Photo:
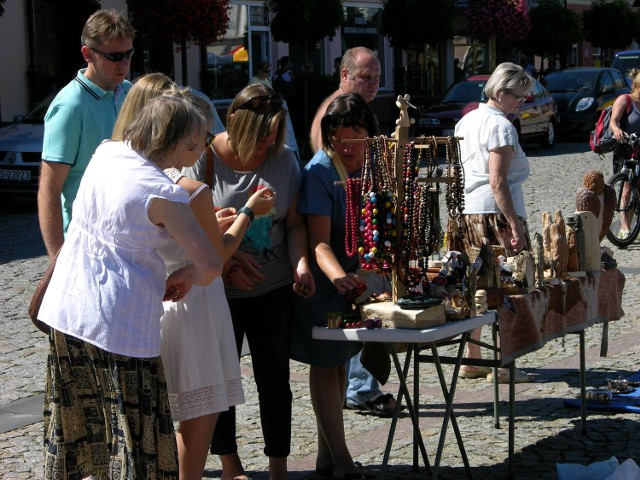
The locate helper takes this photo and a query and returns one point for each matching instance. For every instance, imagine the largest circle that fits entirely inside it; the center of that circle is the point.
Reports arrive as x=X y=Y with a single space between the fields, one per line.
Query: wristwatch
x=248 y=212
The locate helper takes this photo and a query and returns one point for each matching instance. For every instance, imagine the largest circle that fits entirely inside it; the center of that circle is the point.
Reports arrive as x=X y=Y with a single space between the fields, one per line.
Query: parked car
x=625 y=61
x=21 y=149
x=581 y=93
x=21 y=152
x=535 y=121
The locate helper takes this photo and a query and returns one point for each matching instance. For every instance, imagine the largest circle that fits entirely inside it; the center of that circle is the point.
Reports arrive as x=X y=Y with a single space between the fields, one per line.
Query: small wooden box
x=395 y=317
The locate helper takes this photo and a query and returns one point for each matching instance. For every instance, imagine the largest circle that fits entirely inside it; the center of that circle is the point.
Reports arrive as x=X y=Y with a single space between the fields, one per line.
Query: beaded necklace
x=377 y=225
x=455 y=190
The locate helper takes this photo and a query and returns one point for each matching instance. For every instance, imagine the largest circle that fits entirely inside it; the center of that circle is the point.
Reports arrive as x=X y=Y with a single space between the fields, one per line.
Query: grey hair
x=508 y=77
x=161 y=124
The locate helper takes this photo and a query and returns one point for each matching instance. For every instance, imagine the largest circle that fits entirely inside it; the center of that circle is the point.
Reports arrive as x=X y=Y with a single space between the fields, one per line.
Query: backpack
x=601 y=139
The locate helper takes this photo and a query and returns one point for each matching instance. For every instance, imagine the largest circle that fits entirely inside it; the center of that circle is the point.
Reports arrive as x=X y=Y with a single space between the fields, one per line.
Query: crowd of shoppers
x=172 y=241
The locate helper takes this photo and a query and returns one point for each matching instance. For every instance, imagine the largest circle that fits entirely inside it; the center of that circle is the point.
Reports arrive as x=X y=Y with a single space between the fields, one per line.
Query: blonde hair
x=105 y=26
x=245 y=127
x=508 y=77
x=635 y=78
x=161 y=124
x=145 y=88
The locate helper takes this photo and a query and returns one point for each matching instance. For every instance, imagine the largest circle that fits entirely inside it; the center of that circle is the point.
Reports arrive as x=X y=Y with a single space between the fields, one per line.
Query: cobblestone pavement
x=546 y=432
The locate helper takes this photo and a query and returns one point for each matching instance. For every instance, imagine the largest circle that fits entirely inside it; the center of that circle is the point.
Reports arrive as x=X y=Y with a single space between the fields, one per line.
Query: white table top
x=408 y=335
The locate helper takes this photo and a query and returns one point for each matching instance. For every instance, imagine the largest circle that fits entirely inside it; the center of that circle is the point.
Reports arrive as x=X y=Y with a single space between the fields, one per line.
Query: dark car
x=626 y=60
x=581 y=93
x=535 y=121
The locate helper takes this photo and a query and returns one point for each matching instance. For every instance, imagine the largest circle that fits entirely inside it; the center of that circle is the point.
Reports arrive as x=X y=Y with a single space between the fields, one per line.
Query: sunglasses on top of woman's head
x=261 y=102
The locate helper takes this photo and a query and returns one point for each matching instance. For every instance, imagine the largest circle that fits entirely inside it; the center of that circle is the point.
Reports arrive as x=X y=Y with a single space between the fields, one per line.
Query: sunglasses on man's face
x=114 y=56
x=261 y=102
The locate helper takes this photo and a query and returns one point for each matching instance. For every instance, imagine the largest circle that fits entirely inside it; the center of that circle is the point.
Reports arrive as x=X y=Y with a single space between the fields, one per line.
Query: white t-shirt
x=109 y=279
x=483 y=130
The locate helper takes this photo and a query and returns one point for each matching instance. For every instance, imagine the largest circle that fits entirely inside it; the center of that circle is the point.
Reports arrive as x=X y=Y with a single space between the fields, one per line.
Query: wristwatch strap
x=248 y=212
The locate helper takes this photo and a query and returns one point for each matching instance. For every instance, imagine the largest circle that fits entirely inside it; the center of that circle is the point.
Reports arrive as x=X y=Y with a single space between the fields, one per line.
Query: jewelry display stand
x=389 y=312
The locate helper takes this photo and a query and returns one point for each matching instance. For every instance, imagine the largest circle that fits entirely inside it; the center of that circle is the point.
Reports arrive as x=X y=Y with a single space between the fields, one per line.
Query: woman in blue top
x=324 y=203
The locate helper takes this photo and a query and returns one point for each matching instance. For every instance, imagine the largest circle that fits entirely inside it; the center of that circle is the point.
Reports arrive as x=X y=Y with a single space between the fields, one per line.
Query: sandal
x=503 y=376
x=474 y=372
x=380 y=406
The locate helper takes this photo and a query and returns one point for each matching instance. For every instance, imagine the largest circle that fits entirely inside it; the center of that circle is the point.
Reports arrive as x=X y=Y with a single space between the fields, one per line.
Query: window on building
x=362 y=29
x=228 y=59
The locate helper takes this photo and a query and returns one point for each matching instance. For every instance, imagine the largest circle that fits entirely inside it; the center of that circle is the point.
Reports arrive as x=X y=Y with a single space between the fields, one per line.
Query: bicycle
x=626 y=222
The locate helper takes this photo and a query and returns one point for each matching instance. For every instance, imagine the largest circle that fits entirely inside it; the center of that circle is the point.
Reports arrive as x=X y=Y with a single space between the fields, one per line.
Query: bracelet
x=248 y=212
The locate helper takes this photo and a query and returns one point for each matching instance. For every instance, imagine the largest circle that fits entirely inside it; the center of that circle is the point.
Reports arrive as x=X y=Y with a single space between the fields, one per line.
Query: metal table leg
x=449 y=395
x=403 y=391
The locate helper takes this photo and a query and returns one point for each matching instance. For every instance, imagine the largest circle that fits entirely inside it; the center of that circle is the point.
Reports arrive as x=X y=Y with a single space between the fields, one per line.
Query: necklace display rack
x=390 y=178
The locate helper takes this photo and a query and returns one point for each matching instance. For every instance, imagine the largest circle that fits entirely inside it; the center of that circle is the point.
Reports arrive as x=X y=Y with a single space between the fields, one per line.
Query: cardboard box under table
x=430 y=336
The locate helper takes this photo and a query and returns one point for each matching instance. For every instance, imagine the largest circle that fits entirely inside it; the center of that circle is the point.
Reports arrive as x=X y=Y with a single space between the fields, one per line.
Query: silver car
x=21 y=152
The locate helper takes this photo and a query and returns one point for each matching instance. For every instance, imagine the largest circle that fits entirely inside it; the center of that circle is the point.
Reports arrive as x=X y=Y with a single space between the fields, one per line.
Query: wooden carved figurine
x=538 y=254
x=546 y=242
x=573 y=264
x=598 y=198
x=559 y=249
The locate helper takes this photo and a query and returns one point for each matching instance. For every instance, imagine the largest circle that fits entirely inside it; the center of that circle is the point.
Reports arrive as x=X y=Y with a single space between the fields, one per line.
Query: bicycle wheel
x=626 y=224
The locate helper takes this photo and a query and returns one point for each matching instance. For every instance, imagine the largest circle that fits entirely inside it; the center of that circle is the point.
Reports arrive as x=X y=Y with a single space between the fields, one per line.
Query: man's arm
x=52 y=178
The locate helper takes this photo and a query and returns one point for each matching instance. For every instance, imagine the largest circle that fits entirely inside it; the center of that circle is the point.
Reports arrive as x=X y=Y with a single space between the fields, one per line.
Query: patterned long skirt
x=105 y=415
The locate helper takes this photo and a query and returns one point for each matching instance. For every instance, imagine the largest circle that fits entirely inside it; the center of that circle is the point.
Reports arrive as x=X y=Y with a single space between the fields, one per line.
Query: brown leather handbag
x=38 y=295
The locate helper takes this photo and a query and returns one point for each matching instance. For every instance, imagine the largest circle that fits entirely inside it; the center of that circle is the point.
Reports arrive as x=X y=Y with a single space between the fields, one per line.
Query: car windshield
x=624 y=63
x=465 y=92
x=570 y=82
x=37 y=114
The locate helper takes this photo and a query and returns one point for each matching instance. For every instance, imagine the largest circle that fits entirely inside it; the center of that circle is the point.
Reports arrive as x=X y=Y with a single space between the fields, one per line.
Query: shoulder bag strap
x=208 y=171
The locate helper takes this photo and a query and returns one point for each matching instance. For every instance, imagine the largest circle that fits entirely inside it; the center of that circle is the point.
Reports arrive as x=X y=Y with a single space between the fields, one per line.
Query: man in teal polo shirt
x=80 y=117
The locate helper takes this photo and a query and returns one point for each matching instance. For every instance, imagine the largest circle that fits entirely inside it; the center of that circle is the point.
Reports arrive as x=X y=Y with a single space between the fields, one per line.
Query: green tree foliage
x=182 y=21
x=305 y=21
x=418 y=23
x=553 y=30
x=610 y=24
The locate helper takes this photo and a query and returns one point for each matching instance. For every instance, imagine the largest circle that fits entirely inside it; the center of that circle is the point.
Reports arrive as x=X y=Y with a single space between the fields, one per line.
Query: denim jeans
x=361 y=385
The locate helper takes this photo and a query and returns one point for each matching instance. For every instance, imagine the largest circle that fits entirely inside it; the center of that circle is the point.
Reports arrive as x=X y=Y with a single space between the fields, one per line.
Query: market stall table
x=428 y=336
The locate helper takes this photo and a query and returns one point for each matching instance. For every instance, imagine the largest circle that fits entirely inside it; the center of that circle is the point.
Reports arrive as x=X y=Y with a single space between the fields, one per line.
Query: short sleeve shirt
x=80 y=117
x=109 y=279
x=483 y=130
x=265 y=239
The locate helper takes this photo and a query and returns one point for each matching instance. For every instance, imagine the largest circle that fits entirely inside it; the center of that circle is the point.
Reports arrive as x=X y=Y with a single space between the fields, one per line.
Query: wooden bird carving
x=598 y=198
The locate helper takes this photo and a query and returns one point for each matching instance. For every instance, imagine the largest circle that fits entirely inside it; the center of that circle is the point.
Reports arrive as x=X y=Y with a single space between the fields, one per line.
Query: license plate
x=15 y=175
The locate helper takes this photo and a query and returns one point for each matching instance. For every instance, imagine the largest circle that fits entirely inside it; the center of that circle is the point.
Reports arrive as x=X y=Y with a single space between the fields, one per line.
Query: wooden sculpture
x=598 y=198
x=538 y=254
x=559 y=251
